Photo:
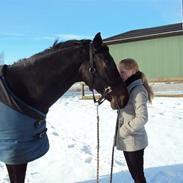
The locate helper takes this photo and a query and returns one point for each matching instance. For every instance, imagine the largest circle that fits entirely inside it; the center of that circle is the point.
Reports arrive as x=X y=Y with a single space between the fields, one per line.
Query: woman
x=131 y=136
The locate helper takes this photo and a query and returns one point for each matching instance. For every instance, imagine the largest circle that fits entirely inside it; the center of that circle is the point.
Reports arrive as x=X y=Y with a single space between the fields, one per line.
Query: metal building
x=158 y=50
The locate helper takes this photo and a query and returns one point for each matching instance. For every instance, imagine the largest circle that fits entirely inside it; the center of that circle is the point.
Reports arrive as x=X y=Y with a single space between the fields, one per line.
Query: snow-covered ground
x=72 y=130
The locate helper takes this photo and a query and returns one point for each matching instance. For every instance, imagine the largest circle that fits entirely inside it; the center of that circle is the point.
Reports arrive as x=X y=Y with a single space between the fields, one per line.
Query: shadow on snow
x=163 y=174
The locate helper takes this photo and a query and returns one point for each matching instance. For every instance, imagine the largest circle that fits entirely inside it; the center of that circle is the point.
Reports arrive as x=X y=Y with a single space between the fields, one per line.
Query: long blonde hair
x=129 y=64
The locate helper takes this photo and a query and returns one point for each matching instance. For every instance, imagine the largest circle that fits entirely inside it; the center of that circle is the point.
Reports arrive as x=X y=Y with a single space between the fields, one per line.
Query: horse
x=33 y=84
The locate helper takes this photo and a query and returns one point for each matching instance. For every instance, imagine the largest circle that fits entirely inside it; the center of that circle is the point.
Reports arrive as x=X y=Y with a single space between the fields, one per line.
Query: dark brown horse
x=37 y=82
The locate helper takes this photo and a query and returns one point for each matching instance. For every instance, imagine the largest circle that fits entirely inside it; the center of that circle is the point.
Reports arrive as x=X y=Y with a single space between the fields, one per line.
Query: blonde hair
x=129 y=64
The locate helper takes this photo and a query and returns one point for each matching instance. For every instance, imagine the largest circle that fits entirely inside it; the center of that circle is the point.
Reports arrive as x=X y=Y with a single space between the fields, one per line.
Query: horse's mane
x=59 y=45
x=56 y=46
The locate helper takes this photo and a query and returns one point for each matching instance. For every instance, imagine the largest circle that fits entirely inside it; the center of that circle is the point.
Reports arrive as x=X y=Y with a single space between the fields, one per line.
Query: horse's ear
x=97 y=41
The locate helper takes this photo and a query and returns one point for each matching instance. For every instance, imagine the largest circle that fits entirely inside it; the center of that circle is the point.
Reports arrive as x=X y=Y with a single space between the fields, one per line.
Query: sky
x=28 y=27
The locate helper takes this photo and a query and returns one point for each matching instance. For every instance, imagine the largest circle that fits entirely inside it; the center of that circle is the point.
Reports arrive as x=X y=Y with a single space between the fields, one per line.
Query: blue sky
x=28 y=27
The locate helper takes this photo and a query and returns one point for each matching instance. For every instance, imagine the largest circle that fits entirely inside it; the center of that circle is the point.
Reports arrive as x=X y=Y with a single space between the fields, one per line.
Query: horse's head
x=101 y=72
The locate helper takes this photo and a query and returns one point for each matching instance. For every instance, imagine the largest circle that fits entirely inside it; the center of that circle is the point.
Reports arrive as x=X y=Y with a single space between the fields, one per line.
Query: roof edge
x=145 y=36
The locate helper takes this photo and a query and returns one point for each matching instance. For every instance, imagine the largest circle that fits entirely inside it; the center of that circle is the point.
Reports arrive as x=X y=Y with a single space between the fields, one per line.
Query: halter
x=92 y=71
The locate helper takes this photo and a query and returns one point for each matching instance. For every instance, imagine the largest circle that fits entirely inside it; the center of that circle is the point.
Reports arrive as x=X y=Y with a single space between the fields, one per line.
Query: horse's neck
x=40 y=84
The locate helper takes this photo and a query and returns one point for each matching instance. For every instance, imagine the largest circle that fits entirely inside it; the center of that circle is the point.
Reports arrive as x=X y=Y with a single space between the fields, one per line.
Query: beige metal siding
x=158 y=58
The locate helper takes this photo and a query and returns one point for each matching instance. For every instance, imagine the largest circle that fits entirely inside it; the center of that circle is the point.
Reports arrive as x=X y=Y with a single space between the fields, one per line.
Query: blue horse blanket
x=23 y=137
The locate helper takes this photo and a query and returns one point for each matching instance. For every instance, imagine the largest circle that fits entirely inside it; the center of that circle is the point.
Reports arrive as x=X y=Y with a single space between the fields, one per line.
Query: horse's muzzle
x=118 y=96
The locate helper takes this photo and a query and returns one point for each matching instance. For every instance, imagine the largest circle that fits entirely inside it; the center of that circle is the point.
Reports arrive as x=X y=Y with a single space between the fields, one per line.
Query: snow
x=72 y=127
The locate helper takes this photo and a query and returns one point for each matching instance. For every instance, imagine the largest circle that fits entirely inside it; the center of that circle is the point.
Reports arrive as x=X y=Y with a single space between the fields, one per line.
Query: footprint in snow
x=119 y=162
x=6 y=179
x=55 y=134
x=52 y=127
x=178 y=104
x=71 y=145
x=88 y=160
x=86 y=149
x=34 y=173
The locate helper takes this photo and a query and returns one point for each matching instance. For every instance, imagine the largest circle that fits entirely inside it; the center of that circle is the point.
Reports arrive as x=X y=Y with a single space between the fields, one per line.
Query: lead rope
x=114 y=144
x=97 y=103
x=98 y=143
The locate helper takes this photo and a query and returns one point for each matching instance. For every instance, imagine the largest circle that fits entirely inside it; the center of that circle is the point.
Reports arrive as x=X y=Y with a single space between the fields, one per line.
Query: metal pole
x=82 y=90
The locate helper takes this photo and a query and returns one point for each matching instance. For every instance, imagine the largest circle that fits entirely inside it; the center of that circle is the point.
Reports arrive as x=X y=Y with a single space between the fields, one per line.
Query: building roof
x=147 y=33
